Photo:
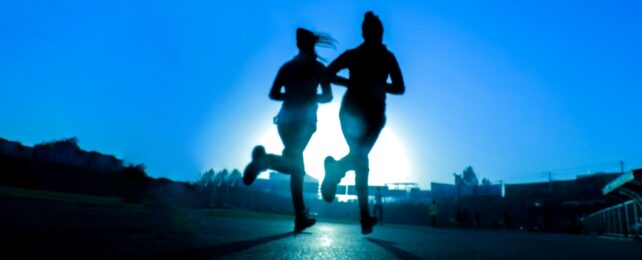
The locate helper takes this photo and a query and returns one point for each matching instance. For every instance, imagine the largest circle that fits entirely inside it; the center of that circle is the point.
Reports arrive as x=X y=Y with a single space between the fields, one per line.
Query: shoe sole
x=252 y=170
x=329 y=186
x=250 y=173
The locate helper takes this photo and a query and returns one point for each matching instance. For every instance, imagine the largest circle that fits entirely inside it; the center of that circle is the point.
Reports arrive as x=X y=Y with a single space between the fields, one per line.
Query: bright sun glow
x=388 y=160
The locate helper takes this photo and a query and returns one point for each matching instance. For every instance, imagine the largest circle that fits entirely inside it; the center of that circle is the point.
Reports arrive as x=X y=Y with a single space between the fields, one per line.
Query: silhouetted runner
x=296 y=122
x=378 y=206
x=362 y=111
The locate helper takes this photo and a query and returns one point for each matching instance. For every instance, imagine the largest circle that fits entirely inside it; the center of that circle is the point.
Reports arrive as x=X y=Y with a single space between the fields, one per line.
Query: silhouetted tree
x=207 y=179
x=134 y=182
x=470 y=178
x=221 y=179
x=234 y=180
x=71 y=141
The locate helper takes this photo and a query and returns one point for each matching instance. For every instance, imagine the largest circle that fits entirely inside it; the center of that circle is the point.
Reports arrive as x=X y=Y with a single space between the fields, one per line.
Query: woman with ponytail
x=296 y=86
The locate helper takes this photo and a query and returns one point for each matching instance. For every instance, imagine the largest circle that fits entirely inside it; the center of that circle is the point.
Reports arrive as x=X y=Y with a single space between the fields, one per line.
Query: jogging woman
x=362 y=112
x=296 y=85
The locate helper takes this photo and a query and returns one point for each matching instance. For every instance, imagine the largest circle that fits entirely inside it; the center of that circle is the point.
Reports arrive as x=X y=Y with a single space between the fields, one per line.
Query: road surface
x=35 y=228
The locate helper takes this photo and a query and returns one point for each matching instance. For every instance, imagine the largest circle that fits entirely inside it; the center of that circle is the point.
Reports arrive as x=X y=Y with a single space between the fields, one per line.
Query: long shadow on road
x=393 y=249
x=223 y=249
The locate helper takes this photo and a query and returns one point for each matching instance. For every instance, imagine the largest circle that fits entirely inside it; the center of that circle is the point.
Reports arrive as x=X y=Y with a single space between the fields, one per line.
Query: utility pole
x=621 y=167
x=550 y=182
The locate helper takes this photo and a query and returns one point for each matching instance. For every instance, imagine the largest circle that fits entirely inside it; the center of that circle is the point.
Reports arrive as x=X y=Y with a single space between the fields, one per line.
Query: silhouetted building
x=391 y=192
x=445 y=191
x=585 y=189
x=551 y=206
x=280 y=183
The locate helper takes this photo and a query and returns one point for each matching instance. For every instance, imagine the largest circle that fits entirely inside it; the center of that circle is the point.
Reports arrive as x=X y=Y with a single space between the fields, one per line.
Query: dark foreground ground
x=72 y=227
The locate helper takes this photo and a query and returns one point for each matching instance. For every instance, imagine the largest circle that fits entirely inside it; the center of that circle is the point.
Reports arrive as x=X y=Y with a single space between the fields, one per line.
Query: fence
x=621 y=220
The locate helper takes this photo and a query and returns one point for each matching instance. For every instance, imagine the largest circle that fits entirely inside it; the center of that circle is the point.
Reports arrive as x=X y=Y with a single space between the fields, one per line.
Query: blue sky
x=513 y=88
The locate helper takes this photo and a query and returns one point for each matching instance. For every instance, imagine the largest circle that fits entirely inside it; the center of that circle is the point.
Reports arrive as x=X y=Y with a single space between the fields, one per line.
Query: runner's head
x=372 y=28
x=306 y=40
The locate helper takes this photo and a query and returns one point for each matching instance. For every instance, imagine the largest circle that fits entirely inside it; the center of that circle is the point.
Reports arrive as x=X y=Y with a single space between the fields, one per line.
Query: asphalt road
x=65 y=230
